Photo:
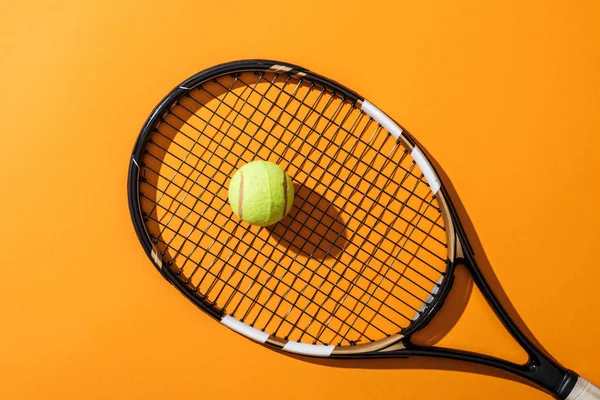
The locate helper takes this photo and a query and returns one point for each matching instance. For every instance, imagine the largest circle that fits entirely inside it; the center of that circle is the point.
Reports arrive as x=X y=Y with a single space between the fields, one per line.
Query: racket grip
x=584 y=390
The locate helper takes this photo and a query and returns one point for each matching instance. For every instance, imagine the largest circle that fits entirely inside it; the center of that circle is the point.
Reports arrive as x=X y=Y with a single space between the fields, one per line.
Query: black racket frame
x=541 y=369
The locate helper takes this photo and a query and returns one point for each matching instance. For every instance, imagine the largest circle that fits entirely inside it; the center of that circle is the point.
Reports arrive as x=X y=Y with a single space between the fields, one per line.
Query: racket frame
x=541 y=369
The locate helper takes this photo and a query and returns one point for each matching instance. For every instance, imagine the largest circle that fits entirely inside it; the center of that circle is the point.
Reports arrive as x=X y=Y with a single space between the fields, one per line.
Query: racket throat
x=541 y=371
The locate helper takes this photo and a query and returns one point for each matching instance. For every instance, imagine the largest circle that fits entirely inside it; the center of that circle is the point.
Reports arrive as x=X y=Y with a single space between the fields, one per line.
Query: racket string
x=337 y=304
x=189 y=151
x=320 y=221
x=255 y=237
x=263 y=285
x=341 y=165
x=367 y=212
x=350 y=201
x=324 y=138
x=272 y=259
x=367 y=264
x=371 y=292
x=208 y=269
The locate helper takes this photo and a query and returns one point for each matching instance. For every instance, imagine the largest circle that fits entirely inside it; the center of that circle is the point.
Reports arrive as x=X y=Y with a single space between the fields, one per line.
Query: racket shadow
x=481 y=258
x=420 y=363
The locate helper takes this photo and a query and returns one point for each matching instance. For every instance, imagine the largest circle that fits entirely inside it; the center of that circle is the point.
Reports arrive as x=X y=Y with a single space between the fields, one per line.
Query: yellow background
x=505 y=95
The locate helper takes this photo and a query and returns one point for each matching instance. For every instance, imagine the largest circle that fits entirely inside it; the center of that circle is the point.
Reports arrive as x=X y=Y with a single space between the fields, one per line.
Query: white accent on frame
x=244 y=329
x=434 y=291
x=156 y=258
x=432 y=179
x=308 y=349
x=280 y=68
x=135 y=162
x=383 y=119
x=584 y=390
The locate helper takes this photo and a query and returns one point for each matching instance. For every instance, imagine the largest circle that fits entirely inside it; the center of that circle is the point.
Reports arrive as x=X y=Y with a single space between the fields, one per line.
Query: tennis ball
x=261 y=193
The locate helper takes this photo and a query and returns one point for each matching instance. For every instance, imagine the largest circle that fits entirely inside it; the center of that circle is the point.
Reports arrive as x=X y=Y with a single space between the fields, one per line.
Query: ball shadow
x=314 y=226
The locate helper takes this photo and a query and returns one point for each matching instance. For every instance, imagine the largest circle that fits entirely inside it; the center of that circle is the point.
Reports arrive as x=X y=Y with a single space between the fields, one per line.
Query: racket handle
x=584 y=390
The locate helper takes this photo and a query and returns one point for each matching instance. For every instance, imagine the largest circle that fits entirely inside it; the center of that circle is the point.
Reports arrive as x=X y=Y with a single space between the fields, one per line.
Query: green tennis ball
x=261 y=193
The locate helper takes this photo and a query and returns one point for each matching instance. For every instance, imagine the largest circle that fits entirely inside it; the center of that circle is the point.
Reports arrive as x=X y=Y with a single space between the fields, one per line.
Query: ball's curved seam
x=241 y=195
x=285 y=195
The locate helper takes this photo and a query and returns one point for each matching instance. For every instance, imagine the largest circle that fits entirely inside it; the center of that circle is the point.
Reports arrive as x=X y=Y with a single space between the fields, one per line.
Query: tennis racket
x=365 y=258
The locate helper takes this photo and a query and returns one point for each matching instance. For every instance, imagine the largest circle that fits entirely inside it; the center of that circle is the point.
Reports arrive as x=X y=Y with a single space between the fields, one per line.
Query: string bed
x=362 y=249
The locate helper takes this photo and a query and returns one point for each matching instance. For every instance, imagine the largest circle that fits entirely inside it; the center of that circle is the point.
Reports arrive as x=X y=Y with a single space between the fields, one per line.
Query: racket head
x=336 y=276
